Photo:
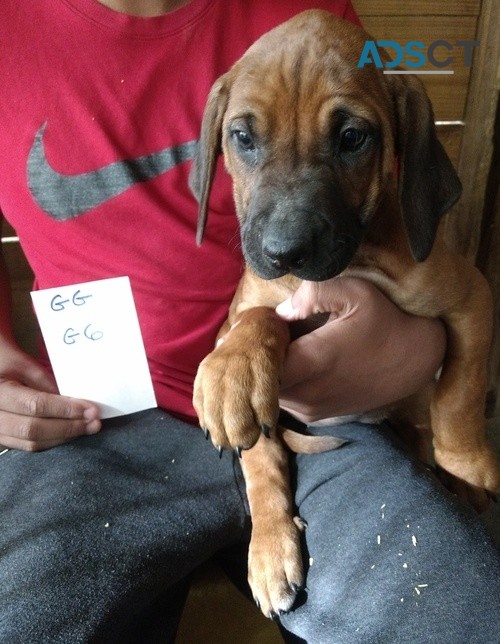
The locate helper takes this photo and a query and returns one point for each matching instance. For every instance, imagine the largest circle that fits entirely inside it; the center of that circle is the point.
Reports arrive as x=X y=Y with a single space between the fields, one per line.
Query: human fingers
x=354 y=307
x=339 y=297
x=32 y=419
x=363 y=358
x=37 y=434
x=17 y=398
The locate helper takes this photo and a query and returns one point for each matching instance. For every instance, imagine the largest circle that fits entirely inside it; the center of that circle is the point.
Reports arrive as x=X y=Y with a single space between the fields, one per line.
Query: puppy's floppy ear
x=209 y=148
x=428 y=183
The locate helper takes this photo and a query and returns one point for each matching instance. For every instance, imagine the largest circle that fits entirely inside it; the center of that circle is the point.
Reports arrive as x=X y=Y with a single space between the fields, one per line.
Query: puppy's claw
x=206 y=432
x=219 y=449
x=296 y=587
x=238 y=451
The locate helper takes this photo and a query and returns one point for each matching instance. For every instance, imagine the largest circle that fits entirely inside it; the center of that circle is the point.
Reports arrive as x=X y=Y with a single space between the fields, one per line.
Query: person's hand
x=369 y=354
x=33 y=416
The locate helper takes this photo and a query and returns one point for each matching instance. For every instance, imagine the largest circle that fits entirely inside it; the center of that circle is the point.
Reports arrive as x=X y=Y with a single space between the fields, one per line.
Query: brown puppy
x=311 y=143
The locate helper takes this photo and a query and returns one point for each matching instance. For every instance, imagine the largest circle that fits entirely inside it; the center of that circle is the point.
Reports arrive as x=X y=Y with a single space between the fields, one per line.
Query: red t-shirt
x=98 y=114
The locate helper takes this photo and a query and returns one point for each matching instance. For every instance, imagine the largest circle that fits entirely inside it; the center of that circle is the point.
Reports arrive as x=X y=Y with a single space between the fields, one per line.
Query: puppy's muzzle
x=308 y=235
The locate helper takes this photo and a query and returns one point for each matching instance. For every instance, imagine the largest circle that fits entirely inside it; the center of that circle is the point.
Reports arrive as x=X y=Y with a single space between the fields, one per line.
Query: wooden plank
x=491 y=268
x=6 y=229
x=463 y=229
x=23 y=318
x=448 y=93
x=488 y=261
x=451 y=138
x=417 y=7
x=18 y=267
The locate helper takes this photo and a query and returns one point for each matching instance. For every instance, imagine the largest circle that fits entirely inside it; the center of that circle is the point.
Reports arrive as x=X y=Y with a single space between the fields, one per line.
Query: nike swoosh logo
x=66 y=196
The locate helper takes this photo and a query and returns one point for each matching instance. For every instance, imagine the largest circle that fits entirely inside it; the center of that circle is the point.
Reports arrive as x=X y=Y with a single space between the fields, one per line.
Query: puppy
x=336 y=170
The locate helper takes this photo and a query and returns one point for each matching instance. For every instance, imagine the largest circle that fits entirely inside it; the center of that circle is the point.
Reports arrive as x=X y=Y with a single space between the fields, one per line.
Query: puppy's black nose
x=286 y=254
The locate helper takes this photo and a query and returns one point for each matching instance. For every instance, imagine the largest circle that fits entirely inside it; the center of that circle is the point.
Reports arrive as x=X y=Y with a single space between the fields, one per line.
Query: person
x=103 y=521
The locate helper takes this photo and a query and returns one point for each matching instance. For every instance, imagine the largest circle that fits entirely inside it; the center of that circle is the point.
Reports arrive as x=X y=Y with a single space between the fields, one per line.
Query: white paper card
x=95 y=345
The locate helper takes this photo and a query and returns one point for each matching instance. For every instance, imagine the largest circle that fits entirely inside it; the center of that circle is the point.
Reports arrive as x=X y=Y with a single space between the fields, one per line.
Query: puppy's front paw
x=275 y=568
x=236 y=395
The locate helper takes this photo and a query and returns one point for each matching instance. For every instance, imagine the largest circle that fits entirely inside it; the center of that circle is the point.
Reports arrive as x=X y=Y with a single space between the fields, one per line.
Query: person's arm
x=369 y=354
x=32 y=415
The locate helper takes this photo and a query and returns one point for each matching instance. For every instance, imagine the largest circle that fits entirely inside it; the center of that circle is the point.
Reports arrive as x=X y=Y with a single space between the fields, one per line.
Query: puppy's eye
x=352 y=139
x=244 y=140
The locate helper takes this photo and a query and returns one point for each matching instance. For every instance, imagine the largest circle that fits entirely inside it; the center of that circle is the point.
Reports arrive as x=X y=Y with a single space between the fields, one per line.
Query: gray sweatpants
x=98 y=538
